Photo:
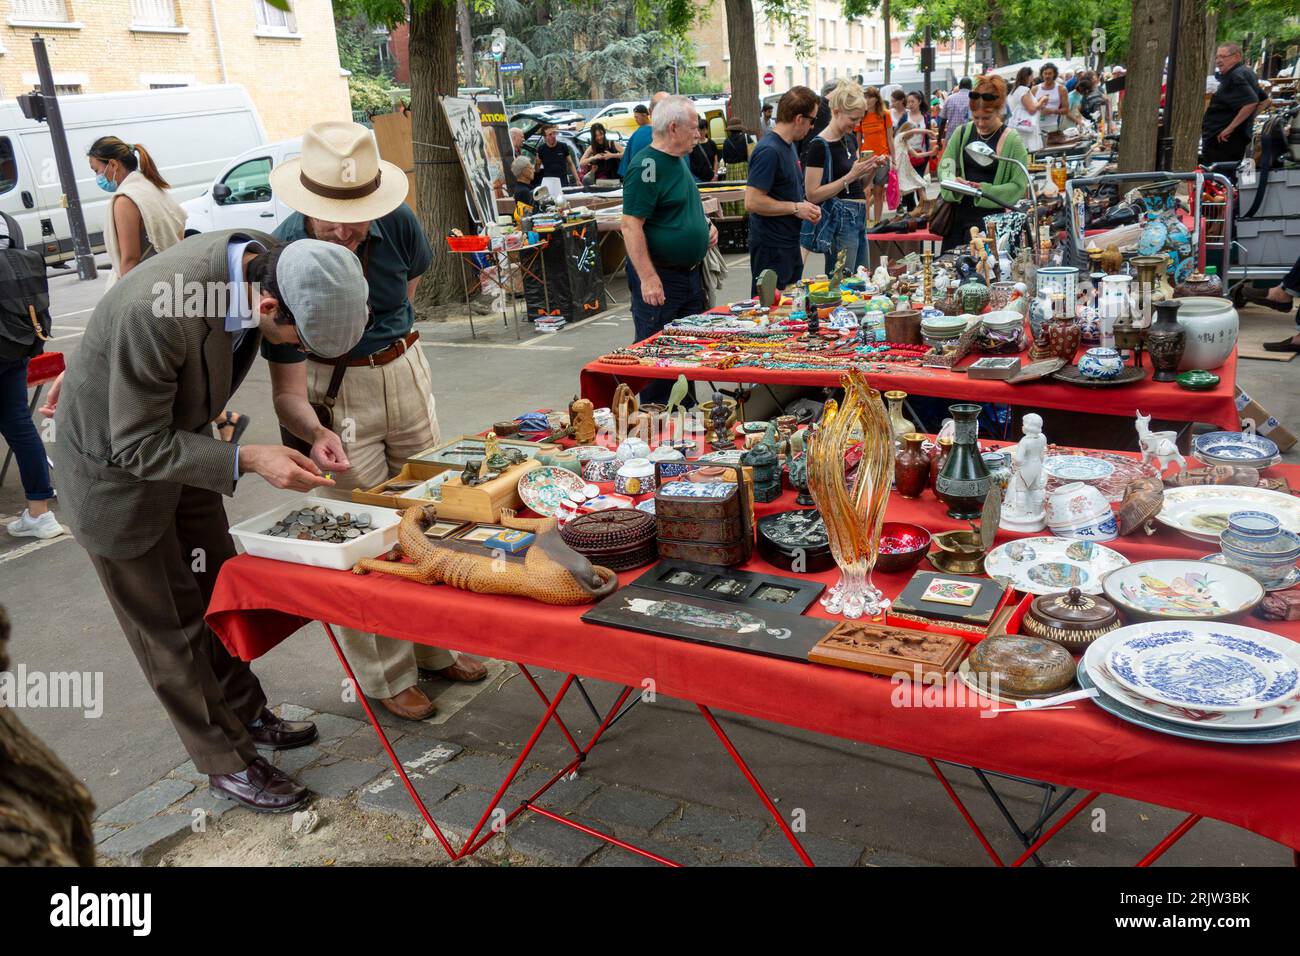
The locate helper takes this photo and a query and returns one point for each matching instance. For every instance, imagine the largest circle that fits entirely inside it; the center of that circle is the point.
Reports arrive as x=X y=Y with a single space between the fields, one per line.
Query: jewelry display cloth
x=259 y=602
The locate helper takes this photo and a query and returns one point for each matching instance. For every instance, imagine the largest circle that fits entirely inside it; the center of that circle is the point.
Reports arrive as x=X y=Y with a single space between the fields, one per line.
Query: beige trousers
x=384 y=416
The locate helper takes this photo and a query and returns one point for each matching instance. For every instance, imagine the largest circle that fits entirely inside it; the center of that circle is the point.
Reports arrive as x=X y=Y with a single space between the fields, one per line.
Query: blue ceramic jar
x=1254 y=542
x=1100 y=363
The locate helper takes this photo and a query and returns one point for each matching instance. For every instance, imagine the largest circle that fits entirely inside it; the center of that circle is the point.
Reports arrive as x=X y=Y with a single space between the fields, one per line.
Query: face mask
x=106 y=184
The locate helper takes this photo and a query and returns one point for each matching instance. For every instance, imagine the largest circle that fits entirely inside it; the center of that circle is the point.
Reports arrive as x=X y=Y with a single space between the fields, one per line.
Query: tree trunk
x=1189 y=95
x=1211 y=40
x=744 y=63
x=889 y=47
x=1148 y=46
x=967 y=39
x=466 y=43
x=439 y=182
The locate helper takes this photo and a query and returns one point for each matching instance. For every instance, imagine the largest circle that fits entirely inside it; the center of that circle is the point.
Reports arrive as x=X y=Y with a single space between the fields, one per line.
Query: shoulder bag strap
x=341 y=363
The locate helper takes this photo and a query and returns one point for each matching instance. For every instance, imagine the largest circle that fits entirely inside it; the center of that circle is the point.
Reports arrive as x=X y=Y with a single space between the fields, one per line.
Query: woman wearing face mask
x=142 y=219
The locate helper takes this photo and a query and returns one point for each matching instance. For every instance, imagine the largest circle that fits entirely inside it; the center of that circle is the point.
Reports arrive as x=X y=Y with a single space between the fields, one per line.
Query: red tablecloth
x=1163 y=400
x=259 y=603
x=921 y=235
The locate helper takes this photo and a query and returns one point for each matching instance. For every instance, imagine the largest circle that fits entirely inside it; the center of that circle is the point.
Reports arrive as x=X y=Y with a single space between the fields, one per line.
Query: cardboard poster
x=496 y=138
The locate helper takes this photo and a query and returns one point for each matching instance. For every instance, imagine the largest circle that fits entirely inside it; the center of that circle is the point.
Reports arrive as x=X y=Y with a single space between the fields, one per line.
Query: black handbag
x=24 y=298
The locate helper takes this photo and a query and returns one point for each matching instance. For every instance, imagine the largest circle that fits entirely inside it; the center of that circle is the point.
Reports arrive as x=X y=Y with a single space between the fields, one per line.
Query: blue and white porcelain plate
x=648 y=506
x=1093 y=663
x=1234 y=447
x=1077 y=467
x=730 y=457
x=697 y=489
x=1206 y=666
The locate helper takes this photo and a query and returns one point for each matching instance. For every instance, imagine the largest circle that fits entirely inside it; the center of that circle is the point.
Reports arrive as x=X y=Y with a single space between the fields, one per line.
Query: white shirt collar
x=239 y=314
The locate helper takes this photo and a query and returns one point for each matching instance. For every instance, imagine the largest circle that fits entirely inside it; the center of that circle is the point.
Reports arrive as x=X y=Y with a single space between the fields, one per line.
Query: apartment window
x=153 y=13
x=789 y=77
x=274 y=20
x=821 y=32
x=46 y=11
x=832 y=43
x=807 y=76
x=67 y=89
x=771 y=32
x=873 y=37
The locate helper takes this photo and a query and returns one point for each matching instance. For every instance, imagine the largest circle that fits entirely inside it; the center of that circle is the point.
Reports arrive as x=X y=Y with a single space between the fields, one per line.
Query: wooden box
x=411 y=471
x=712 y=529
x=446 y=454
x=461 y=502
x=884 y=650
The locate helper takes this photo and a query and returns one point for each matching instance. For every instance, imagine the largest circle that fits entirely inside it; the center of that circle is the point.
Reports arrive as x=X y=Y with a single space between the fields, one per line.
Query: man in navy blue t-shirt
x=774 y=195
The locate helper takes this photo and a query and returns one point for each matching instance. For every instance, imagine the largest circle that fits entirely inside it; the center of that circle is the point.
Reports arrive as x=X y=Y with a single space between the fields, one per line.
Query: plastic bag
x=891 y=189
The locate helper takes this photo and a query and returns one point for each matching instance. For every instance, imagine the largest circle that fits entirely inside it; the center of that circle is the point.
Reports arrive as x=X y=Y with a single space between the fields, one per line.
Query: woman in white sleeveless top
x=1056 y=101
x=1025 y=108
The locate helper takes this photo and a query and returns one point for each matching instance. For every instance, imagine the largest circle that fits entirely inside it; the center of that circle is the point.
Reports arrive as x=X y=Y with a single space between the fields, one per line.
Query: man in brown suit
x=141 y=476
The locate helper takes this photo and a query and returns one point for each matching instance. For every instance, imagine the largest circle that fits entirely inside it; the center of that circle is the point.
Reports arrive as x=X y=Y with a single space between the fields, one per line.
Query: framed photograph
x=443 y=528
x=480 y=533
x=772 y=631
x=467 y=133
x=766 y=591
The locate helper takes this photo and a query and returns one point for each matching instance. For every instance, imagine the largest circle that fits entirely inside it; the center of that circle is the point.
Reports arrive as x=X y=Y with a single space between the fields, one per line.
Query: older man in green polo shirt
x=664 y=227
x=380 y=395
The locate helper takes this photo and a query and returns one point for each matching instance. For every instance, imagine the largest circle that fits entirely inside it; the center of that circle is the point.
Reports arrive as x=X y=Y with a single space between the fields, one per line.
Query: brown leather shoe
x=1260 y=297
x=259 y=787
x=271 y=733
x=410 y=704
x=468 y=670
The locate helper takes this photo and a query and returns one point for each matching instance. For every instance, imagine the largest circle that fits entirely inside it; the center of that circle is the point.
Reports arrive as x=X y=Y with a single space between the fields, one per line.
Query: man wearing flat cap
x=380 y=394
x=141 y=475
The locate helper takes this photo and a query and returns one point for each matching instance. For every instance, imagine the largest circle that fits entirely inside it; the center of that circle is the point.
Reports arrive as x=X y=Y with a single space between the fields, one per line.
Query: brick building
x=288 y=62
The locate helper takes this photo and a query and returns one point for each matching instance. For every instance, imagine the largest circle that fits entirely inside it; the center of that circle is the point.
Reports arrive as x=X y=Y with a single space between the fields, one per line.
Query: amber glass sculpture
x=853 y=507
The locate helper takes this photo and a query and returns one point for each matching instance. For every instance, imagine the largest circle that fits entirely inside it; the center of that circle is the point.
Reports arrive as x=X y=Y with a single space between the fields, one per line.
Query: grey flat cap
x=325 y=289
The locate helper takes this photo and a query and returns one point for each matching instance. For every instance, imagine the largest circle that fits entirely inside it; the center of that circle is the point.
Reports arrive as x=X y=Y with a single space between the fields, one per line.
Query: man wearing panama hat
x=374 y=407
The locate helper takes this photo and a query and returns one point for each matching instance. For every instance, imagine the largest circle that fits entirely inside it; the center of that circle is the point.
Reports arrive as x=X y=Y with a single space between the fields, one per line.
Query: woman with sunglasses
x=998 y=182
x=833 y=175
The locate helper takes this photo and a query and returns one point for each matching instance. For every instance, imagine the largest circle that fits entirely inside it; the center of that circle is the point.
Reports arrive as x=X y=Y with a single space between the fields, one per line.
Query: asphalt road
x=62 y=622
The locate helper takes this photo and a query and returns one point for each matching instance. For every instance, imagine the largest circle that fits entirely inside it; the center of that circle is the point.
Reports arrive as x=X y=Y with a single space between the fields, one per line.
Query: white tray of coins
x=320 y=532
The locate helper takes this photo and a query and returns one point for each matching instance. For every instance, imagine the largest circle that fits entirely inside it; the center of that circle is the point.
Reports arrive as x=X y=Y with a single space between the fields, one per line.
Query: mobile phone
x=866 y=153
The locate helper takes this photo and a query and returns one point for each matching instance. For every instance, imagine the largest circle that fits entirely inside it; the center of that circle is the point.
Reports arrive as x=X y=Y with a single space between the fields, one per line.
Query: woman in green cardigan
x=1003 y=181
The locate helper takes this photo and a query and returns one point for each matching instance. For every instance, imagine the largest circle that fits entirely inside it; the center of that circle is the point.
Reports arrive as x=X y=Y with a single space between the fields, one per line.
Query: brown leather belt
x=382 y=357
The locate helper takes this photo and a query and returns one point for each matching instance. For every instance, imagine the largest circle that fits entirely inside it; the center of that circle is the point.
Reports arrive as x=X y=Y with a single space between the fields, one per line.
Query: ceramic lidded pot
x=964 y=482
x=636 y=477
x=1063 y=333
x=903 y=326
x=973 y=295
x=1254 y=542
x=911 y=467
x=1211 y=326
x=1101 y=364
x=1205 y=283
x=1071 y=618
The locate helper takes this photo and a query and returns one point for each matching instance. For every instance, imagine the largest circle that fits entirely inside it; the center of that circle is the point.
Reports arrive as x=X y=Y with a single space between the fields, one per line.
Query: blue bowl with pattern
x=1234 y=448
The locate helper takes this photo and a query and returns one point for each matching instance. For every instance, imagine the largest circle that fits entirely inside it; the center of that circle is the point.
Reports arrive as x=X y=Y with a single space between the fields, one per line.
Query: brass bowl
x=962 y=545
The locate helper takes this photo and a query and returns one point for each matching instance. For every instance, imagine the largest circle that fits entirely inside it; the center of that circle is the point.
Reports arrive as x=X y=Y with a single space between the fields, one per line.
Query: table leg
x=961 y=808
x=383 y=739
x=753 y=782
x=1175 y=835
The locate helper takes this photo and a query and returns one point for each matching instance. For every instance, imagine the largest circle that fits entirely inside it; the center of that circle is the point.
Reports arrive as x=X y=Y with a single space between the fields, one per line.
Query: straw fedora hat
x=339 y=177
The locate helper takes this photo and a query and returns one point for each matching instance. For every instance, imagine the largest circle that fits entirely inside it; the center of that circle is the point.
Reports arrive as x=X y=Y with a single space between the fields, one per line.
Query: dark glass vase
x=911 y=467
x=1166 y=340
x=964 y=481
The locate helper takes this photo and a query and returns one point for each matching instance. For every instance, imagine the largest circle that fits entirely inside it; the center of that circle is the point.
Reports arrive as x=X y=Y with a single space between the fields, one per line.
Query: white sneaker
x=46 y=526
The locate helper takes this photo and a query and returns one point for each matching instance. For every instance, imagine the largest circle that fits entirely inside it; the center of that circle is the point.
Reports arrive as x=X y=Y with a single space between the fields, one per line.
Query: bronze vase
x=964 y=480
x=1166 y=340
x=911 y=467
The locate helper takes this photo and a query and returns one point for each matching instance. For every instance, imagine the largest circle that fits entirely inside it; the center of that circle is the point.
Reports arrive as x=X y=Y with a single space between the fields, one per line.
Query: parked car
x=534 y=118
x=191 y=132
x=617 y=117
x=577 y=142
x=240 y=196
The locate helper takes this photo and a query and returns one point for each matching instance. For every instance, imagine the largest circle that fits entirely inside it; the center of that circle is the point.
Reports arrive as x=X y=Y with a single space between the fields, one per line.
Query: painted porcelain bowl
x=1254 y=542
x=1235 y=448
x=601 y=469
x=1105 y=528
x=635 y=477
x=1182 y=590
x=1075 y=504
x=1101 y=364
x=632 y=448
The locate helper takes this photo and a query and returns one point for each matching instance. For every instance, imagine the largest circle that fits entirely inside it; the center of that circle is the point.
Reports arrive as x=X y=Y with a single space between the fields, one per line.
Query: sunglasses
x=986 y=97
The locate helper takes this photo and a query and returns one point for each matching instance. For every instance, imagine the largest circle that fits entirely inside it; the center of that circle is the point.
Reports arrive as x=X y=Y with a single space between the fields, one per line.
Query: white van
x=189 y=131
x=240 y=195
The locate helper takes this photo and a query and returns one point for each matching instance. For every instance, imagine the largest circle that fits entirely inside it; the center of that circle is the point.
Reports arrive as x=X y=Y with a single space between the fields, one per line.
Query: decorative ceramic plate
x=1261 y=464
x=1125 y=470
x=1078 y=467
x=542 y=489
x=1290 y=581
x=1072 y=376
x=1213 y=733
x=1047 y=564
x=1036 y=370
x=730 y=458
x=1182 y=591
x=1285 y=714
x=1218 y=667
x=1201 y=511
x=1234 y=447
x=648 y=506
x=697 y=489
